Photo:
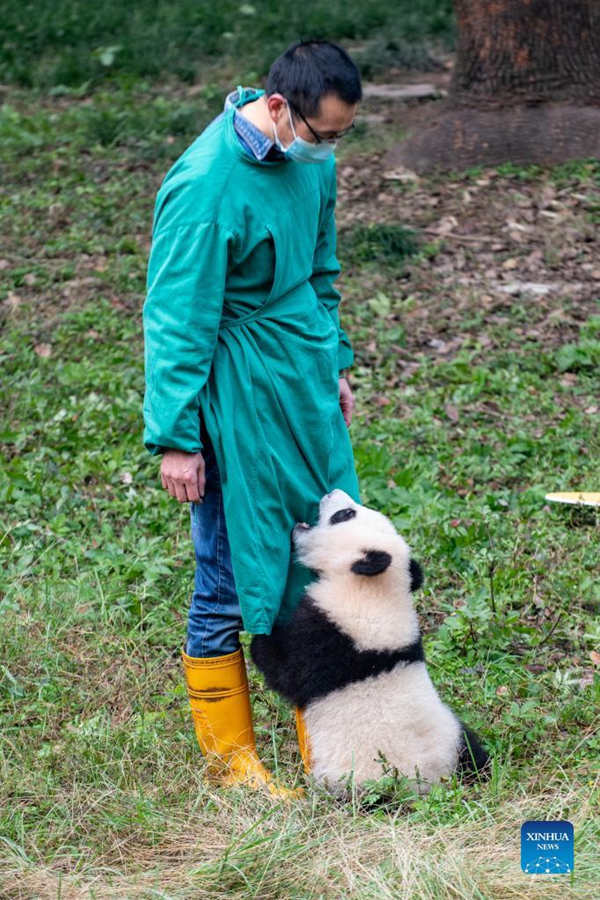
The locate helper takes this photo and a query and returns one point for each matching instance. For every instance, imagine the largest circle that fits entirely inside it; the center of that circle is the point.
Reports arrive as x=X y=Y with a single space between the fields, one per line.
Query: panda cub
x=352 y=661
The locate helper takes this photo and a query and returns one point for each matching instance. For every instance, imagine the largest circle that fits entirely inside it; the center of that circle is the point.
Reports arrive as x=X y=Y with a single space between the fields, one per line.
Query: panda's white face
x=350 y=538
x=365 y=573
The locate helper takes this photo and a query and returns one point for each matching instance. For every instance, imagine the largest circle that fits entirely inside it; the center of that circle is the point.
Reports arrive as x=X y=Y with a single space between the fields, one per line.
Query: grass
x=63 y=44
x=101 y=783
x=390 y=244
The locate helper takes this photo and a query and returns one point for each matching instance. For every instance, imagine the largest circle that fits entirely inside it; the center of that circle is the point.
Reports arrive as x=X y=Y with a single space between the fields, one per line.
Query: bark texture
x=525 y=89
x=530 y=51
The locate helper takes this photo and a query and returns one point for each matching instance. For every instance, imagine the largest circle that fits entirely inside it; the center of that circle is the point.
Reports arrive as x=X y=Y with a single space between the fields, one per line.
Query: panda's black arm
x=270 y=654
x=293 y=656
x=267 y=653
x=306 y=658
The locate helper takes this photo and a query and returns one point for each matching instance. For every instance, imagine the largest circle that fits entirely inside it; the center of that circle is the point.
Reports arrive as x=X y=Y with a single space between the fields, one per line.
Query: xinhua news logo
x=547 y=848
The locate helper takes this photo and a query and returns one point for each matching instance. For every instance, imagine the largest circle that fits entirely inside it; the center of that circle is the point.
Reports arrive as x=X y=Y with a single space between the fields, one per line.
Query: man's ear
x=277 y=106
x=374 y=562
x=416 y=575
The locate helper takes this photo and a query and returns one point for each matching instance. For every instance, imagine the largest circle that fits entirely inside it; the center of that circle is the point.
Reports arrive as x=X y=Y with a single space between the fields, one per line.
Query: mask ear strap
x=277 y=141
x=291 y=120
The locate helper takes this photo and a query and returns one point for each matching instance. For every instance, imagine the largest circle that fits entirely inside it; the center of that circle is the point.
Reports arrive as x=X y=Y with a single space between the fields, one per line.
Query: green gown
x=241 y=327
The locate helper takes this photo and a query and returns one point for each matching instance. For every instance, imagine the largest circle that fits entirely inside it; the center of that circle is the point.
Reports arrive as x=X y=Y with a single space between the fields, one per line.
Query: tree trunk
x=525 y=89
x=526 y=51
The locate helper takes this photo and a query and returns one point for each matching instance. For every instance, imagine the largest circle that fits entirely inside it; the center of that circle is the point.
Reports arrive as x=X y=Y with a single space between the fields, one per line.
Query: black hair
x=308 y=70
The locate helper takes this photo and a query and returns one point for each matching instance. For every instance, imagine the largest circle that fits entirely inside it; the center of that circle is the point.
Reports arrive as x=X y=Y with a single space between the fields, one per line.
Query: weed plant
x=377 y=243
x=53 y=43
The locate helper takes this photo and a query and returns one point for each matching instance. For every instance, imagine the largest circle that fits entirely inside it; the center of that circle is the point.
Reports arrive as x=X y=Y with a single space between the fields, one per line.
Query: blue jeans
x=215 y=620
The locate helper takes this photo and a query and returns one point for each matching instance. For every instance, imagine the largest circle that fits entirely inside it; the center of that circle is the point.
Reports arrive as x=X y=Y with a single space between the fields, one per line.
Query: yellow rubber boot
x=220 y=701
x=303 y=741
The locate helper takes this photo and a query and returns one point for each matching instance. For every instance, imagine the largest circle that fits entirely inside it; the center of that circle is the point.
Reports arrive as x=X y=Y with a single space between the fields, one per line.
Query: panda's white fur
x=396 y=715
x=361 y=608
x=377 y=613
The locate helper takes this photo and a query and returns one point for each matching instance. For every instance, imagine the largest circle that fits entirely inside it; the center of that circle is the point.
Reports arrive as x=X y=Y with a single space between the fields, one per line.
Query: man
x=245 y=396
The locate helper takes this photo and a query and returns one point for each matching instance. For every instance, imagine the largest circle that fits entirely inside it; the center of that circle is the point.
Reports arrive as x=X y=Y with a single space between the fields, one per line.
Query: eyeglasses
x=320 y=138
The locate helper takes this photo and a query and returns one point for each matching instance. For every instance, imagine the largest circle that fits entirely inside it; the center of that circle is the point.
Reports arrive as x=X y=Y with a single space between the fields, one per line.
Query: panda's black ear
x=416 y=575
x=374 y=562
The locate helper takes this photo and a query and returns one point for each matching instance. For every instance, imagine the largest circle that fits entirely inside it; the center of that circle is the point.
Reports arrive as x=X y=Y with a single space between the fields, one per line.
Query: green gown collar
x=245 y=95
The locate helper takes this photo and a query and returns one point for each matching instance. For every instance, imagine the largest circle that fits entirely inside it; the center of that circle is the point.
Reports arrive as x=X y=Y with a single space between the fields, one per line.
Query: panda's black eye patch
x=342 y=515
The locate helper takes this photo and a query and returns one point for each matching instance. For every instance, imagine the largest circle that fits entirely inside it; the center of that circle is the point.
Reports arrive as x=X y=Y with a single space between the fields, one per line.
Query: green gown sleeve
x=184 y=301
x=326 y=269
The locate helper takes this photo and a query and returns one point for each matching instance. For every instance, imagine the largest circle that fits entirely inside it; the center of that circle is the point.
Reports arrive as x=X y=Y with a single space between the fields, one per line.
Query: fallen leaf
x=518 y=226
x=532 y=287
x=568 y=379
x=452 y=412
x=400 y=174
x=595 y=657
x=381 y=400
x=446 y=225
x=535 y=257
x=43 y=349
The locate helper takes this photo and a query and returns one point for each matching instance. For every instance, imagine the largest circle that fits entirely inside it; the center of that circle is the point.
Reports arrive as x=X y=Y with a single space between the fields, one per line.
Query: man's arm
x=326 y=269
x=186 y=285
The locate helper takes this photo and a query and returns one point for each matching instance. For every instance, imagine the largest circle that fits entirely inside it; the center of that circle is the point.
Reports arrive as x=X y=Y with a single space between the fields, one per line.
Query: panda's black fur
x=312 y=659
x=302 y=660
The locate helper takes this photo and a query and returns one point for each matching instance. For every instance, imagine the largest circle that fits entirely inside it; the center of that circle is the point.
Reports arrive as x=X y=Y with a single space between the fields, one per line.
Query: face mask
x=301 y=150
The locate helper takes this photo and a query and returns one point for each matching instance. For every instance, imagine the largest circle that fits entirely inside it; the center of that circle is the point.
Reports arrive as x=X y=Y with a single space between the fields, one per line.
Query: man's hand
x=182 y=475
x=346 y=400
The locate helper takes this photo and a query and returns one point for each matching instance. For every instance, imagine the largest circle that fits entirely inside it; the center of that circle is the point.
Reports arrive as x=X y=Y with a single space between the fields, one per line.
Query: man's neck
x=257 y=112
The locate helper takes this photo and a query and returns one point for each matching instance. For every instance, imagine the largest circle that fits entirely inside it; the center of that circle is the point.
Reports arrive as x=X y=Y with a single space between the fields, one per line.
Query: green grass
x=54 y=43
x=101 y=783
x=390 y=244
